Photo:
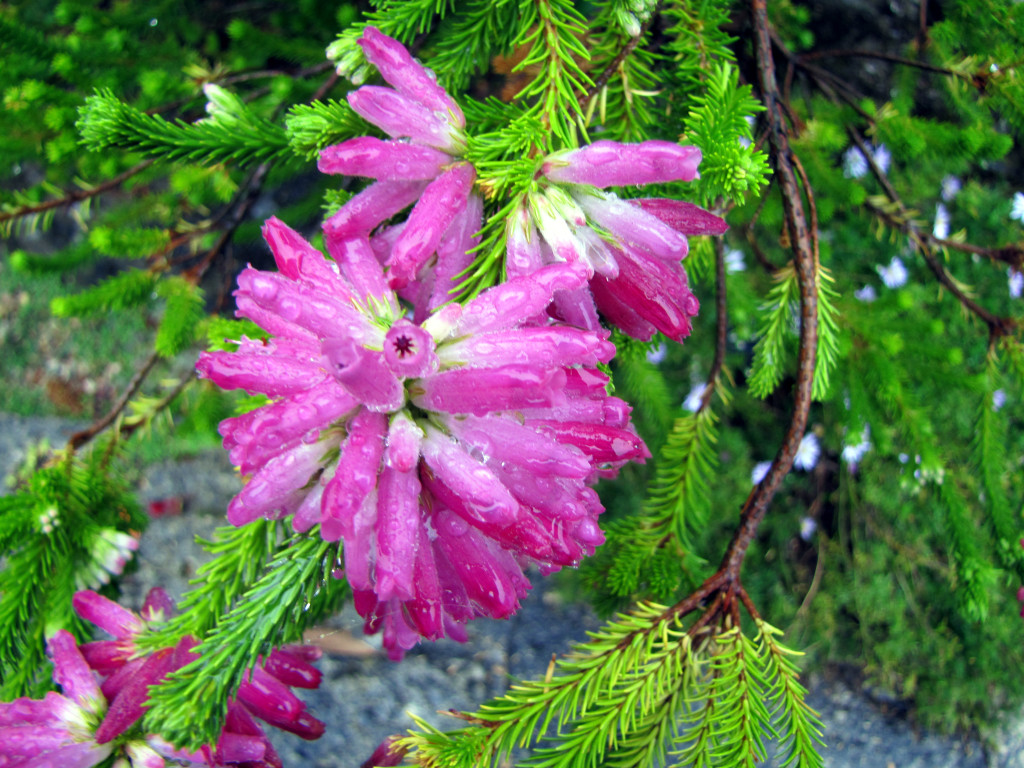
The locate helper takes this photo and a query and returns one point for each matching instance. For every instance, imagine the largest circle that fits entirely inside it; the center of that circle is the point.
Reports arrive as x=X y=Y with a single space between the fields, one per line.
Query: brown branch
x=866 y=54
x=606 y=74
x=75 y=197
x=82 y=437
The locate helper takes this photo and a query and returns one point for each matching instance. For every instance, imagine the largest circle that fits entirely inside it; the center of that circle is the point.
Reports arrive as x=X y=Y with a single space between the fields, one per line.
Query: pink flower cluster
x=105 y=687
x=450 y=447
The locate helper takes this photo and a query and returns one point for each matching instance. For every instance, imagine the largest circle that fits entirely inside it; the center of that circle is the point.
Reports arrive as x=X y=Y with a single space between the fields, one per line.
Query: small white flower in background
x=853 y=453
x=866 y=294
x=807 y=528
x=950 y=187
x=1018 y=207
x=1015 y=281
x=49 y=520
x=734 y=261
x=895 y=274
x=744 y=141
x=904 y=458
x=941 y=227
x=808 y=452
x=657 y=355
x=998 y=399
x=855 y=165
x=692 y=401
x=759 y=471
x=882 y=157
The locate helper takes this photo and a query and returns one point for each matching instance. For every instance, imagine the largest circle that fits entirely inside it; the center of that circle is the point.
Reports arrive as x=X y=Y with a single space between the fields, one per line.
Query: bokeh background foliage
x=130 y=199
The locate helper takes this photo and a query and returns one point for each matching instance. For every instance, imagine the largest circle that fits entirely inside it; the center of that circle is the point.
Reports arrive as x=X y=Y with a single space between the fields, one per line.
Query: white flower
x=808 y=452
x=657 y=355
x=1018 y=207
x=882 y=157
x=759 y=471
x=866 y=294
x=855 y=165
x=853 y=453
x=950 y=187
x=894 y=275
x=734 y=261
x=941 y=227
x=692 y=401
x=998 y=399
x=807 y=528
x=1016 y=282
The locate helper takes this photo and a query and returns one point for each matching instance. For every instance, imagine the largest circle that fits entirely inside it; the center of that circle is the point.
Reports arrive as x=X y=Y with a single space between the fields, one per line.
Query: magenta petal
x=309 y=512
x=296 y=258
x=454 y=252
x=687 y=218
x=268 y=698
x=236 y=748
x=505 y=441
x=482 y=391
x=129 y=703
x=376 y=159
x=479 y=491
x=322 y=309
x=611 y=164
x=398 y=525
x=620 y=314
x=362 y=270
x=399 y=116
x=51 y=711
x=257 y=436
x=577 y=308
x=363 y=373
x=634 y=226
x=81 y=755
x=106 y=614
x=657 y=291
x=541 y=347
x=105 y=656
x=404 y=441
x=356 y=475
x=371 y=208
x=441 y=201
x=523 y=254
x=601 y=442
x=277 y=488
x=361 y=544
x=266 y=374
x=71 y=672
x=517 y=300
x=407 y=75
x=292 y=670
x=158 y=605
x=426 y=611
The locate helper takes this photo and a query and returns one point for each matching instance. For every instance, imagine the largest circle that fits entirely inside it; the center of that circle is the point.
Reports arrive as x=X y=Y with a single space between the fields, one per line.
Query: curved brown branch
x=82 y=437
x=75 y=197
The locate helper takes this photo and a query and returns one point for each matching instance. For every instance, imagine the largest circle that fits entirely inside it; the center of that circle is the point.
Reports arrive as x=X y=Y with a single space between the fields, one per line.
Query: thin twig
x=82 y=437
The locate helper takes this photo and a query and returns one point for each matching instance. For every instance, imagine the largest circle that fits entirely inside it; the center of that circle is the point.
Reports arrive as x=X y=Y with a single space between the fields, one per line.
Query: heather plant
x=708 y=307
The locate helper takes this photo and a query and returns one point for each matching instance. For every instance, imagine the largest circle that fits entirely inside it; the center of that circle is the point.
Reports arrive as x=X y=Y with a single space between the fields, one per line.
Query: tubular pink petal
x=577 y=308
x=370 y=208
x=257 y=436
x=71 y=672
x=523 y=255
x=266 y=374
x=541 y=347
x=454 y=252
x=52 y=711
x=517 y=300
x=426 y=611
x=478 y=489
x=657 y=291
x=277 y=488
x=557 y=232
x=362 y=270
x=292 y=670
x=105 y=656
x=634 y=226
x=158 y=605
x=687 y=218
x=504 y=440
x=610 y=164
x=620 y=314
x=295 y=257
x=407 y=75
x=311 y=308
x=269 y=699
x=403 y=444
x=399 y=116
x=432 y=215
x=238 y=748
x=361 y=545
x=356 y=474
x=309 y=513
x=398 y=524
x=483 y=391
x=129 y=703
x=363 y=373
x=599 y=441
x=106 y=614
x=388 y=160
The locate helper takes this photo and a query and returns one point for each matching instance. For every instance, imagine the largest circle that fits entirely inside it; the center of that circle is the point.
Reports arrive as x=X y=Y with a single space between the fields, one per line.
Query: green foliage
x=770 y=352
x=183 y=312
x=312 y=127
x=53 y=541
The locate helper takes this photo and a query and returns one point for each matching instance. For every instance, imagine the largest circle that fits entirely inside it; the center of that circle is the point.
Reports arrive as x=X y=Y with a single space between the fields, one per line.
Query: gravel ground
x=365 y=697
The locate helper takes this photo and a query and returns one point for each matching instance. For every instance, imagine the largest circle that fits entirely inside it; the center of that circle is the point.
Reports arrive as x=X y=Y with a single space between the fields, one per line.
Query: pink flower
x=420 y=165
x=126 y=678
x=445 y=454
x=631 y=249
